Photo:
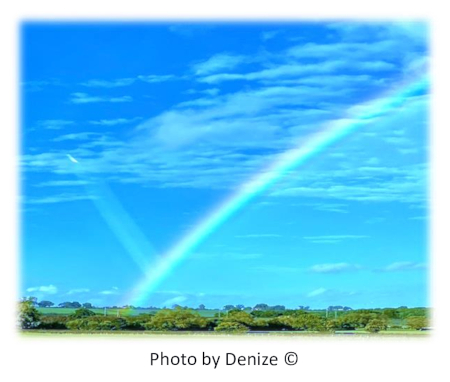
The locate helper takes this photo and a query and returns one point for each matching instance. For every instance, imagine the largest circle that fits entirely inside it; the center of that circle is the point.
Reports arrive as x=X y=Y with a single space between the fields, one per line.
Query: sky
x=133 y=133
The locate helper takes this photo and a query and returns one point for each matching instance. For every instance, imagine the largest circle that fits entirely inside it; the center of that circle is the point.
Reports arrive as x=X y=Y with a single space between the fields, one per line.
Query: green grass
x=357 y=333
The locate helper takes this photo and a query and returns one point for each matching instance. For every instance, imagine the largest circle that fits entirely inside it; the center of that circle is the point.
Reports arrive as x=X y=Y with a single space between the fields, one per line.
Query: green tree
x=391 y=313
x=29 y=317
x=417 y=322
x=375 y=325
x=45 y=304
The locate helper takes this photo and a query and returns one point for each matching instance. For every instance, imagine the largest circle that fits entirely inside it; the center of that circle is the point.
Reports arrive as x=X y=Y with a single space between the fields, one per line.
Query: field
x=343 y=334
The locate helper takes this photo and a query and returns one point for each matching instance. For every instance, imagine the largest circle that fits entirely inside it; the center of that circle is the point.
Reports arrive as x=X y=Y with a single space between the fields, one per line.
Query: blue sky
x=132 y=133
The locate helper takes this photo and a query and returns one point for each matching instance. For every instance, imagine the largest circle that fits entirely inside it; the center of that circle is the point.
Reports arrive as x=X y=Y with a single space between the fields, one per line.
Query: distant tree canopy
x=229 y=307
x=87 y=305
x=45 y=304
x=333 y=308
x=261 y=307
x=67 y=304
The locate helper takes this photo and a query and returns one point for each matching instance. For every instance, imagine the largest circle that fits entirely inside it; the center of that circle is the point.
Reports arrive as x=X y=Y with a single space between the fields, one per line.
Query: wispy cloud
x=269 y=35
x=328 y=207
x=63 y=183
x=218 y=62
x=332 y=238
x=76 y=136
x=122 y=82
x=152 y=78
x=114 y=122
x=78 y=291
x=403 y=266
x=258 y=236
x=83 y=98
x=54 y=124
x=334 y=268
x=60 y=198
x=112 y=291
x=109 y=84
x=317 y=292
x=49 y=289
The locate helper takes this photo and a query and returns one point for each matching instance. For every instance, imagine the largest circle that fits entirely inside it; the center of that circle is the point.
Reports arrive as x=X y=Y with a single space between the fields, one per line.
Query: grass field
x=356 y=333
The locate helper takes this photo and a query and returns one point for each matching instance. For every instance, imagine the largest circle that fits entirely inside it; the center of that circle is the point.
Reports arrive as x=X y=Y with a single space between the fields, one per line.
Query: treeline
x=180 y=319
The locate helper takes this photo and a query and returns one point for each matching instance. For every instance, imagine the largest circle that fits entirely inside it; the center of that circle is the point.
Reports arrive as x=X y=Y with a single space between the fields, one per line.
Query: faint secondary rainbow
x=118 y=220
x=332 y=132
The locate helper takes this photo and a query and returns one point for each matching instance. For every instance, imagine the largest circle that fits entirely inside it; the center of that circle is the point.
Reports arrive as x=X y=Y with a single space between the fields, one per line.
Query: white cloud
x=109 y=84
x=403 y=266
x=114 y=122
x=334 y=268
x=156 y=78
x=63 y=183
x=301 y=69
x=83 y=98
x=112 y=291
x=269 y=35
x=54 y=124
x=78 y=291
x=76 y=136
x=317 y=292
x=60 y=198
x=49 y=289
x=332 y=238
x=218 y=62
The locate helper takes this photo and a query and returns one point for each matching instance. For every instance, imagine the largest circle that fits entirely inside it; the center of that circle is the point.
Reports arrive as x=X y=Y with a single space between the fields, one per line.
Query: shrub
x=304 y=321
x=178 y=319
x=231 y=326
x=81 y=313
x=53 y=322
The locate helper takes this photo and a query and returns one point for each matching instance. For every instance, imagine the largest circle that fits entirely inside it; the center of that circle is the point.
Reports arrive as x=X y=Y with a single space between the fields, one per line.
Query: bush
x=53 y=322
x=231 y=326
x=178 y=319
x=304 y=321
x=81 y=313
x=97 y=323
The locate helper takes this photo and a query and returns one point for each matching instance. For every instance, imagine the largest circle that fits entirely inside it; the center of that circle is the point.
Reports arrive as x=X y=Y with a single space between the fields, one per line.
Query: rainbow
x=118 y=220
x=314 y=144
